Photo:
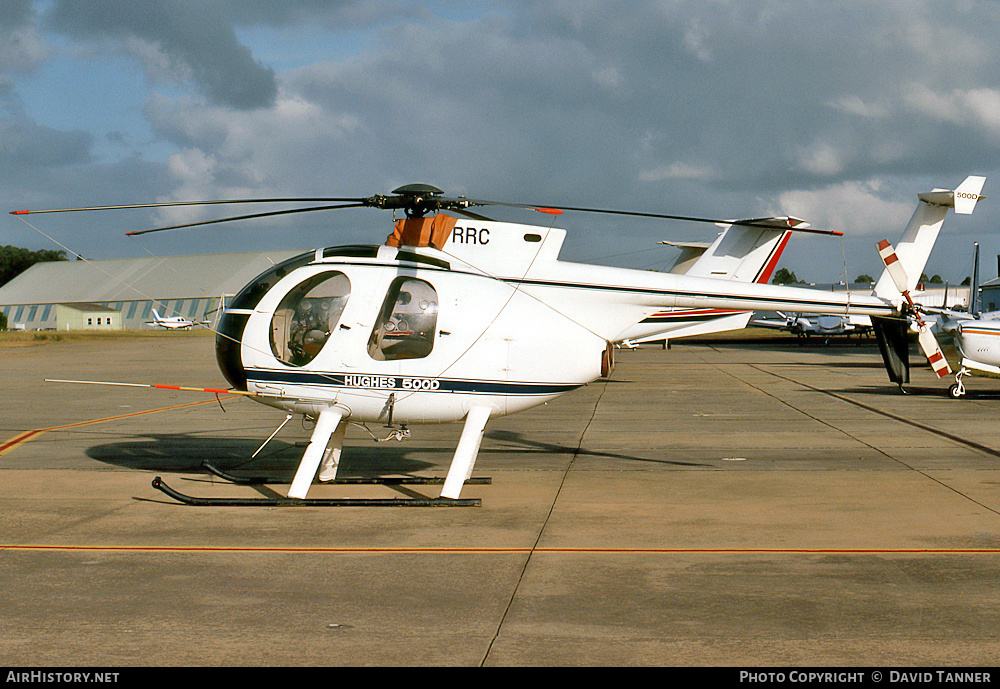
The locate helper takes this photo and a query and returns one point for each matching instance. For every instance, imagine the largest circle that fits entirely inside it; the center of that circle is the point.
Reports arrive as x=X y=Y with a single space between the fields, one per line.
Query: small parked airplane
x=744 y=253
x=978 y=344
x=825 y=326
x=976 y=335
x=172 y=322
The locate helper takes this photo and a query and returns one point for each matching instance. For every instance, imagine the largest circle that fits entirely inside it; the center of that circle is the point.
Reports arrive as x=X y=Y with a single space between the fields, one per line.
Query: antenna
x=974 y=290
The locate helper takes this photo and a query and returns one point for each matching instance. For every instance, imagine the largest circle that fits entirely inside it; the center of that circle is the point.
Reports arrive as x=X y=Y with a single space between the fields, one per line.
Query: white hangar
x=188 y=286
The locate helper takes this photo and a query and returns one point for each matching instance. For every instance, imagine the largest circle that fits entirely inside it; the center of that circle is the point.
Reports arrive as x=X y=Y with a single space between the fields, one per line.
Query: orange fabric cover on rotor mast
x=433 y=232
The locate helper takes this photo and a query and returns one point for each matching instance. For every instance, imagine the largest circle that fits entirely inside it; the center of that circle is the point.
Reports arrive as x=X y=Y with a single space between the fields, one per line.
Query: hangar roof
x=128 y=279
x=89 y=307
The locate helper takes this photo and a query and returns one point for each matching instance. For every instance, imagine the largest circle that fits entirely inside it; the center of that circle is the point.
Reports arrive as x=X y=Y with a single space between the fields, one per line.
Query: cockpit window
x=407 y=323
x=307 y=315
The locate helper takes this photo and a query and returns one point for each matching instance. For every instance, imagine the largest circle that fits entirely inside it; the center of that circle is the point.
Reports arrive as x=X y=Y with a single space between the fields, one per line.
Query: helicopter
x=459 y=318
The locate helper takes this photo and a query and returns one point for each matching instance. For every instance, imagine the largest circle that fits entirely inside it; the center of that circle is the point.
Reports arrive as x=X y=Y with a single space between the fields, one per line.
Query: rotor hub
x=416 y=200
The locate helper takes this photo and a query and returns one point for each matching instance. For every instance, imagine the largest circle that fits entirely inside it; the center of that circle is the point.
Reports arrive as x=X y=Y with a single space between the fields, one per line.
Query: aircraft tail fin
x=968 y=194
x=903 y=266
x=745 y=251
x=921 y=233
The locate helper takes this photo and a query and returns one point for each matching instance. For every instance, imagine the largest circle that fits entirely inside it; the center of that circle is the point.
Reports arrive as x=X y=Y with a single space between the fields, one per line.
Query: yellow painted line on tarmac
x=512 y=550
x=18 y=440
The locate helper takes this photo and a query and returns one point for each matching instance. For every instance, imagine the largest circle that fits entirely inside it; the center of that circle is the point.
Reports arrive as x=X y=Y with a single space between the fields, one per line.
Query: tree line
x=14 y=260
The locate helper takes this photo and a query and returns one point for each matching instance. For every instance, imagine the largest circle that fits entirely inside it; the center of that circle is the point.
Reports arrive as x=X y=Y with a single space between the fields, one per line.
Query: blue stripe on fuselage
x=368 y=381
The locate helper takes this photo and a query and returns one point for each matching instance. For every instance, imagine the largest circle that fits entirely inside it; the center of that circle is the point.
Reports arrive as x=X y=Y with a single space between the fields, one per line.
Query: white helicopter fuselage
x=492 y=345
x=493 y=319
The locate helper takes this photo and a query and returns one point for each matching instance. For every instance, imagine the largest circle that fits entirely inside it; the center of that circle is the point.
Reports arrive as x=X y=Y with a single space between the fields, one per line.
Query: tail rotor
x=928 y=343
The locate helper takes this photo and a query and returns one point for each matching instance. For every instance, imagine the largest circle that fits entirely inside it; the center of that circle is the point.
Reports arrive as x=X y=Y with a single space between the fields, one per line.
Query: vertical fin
x=968 y=194
x=921 y=232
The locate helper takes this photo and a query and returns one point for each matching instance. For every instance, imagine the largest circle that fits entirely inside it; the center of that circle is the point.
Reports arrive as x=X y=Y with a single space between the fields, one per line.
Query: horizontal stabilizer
x=963 y=199
x=690 y=253
x=688 y=245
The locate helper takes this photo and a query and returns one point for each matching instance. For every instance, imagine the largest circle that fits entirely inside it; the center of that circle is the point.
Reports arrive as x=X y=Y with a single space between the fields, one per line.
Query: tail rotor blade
x=895 y=268
x=929 y=345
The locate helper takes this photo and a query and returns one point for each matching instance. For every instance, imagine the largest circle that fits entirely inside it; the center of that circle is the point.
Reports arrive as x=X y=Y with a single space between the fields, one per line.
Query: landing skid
x=379 y=480
x=322 y=458
x=313 y=502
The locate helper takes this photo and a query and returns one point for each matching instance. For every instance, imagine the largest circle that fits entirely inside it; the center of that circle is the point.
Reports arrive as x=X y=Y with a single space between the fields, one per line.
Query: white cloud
x=697 y=40
x=979 y=107
x=694 y=107
x=822 y=159
x=855 y=105
x=856 y=208
x=607 y=77
x=22 y=49
x=677 y=171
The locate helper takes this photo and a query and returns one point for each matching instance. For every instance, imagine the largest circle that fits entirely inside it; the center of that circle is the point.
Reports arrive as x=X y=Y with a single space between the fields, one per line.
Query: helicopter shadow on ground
x=278 y=461
x=890 y=390
x=185 y=453
x=533 y=446
x=874 y=365
x=834 y=351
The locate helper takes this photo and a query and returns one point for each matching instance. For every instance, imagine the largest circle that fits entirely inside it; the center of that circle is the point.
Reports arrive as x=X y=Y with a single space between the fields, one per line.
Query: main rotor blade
x=171 y=204
x=764 y=223
x=289 y=211
x=427 y=201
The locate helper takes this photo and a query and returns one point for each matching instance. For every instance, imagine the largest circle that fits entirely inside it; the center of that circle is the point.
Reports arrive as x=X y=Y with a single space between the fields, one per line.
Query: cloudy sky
x=835 y=112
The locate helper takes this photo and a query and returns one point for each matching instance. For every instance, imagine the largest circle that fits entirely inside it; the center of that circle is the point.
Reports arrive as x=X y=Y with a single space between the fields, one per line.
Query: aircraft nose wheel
x=958 y=389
